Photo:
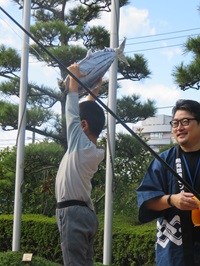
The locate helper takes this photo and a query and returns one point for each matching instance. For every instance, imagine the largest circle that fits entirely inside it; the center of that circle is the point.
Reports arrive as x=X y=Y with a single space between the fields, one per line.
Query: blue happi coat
x=158 y=181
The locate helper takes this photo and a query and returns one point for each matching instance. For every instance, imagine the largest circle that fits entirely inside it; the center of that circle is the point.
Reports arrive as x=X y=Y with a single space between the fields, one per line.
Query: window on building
x=156 y=135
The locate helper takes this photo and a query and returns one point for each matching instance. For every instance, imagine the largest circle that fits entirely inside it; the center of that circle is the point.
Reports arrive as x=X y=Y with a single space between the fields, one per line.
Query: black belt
x=67 y=203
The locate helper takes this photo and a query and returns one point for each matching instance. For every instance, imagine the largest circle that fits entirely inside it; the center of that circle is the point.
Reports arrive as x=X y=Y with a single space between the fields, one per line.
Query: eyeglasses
x=184 y=122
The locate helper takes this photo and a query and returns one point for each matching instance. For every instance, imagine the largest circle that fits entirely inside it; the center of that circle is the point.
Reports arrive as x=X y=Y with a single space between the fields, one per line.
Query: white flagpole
x=114 y=42
x=19 y=178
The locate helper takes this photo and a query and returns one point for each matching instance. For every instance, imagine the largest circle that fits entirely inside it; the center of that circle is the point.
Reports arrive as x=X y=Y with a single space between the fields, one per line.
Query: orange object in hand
x=196 y=214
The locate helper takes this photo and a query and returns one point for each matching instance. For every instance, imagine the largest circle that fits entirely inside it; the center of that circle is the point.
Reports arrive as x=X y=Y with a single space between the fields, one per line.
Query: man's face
x=188 y=136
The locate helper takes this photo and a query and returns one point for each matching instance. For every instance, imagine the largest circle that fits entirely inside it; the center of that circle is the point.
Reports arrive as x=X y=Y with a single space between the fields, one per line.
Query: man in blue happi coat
x=161 y=196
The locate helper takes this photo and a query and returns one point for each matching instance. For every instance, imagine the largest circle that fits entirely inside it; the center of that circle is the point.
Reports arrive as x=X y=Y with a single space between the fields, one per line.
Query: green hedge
x=39 y=235
x=15 y=259
x=132 y=245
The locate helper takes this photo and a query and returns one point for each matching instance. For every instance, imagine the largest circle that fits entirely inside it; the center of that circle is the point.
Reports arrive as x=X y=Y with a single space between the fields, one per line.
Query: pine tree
x=59 y=28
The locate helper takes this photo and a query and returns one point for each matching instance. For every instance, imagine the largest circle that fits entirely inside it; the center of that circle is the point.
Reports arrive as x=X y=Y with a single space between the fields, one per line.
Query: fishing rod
x=166 y=165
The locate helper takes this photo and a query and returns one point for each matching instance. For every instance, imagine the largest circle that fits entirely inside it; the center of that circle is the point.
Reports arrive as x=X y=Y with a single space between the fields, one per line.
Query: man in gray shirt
x=76 y=219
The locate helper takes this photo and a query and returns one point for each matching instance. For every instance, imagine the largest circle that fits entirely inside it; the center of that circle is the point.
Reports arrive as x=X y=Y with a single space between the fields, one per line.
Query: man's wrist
x=169 y=201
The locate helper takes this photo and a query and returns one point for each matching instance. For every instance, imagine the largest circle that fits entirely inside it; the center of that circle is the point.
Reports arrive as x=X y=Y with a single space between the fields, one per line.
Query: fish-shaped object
x=95 y=65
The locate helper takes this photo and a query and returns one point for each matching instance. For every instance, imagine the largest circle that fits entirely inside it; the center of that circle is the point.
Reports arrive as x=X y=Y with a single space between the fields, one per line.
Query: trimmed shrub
x=132 y=245
x=15 y=259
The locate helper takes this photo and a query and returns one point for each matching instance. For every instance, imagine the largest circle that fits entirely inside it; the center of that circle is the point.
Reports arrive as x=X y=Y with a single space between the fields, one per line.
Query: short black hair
x=94 y=115
x=193 y=107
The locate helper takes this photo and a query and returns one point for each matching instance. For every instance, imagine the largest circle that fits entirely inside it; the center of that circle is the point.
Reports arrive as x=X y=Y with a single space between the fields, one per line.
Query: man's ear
x=84 y=125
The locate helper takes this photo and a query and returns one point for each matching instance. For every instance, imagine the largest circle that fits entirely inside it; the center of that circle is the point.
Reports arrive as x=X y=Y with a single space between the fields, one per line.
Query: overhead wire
x=39 y=55
x=158 y=40
x=139 y=37
x=135 y=38
x=166 y=39
x=132 y=38
x=160 y=47
x=153 y=48
x=161 y=34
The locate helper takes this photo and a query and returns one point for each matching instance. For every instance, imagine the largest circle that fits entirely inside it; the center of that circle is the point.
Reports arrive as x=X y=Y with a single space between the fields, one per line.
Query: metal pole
x=107 y=250
x=19 y=178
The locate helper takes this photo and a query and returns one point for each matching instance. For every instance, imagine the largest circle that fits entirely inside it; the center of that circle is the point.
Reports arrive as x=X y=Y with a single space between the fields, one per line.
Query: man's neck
x=190 y=149
x=93 y=139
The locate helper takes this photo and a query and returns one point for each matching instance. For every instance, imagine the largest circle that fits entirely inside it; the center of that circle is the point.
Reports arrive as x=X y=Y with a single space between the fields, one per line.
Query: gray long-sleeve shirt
x=81 y=160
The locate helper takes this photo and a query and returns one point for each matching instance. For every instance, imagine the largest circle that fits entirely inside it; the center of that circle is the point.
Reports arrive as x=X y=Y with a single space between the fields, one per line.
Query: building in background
x=157 y=130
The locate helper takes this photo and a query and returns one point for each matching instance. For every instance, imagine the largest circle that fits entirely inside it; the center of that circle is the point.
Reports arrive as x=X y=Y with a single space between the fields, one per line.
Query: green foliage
x=15 y=259
x=7 y=170
x=126 y=251
x=131 y=110
x=132 y=245
x=58 y=28
x=11 y=88
x=40 y=168
x=48 y=31
x=8 y=115
x=68 y=55
x=167 y=147
x=96 y=38
x=130 y=164
x=39 y=235
x=137 y=70
x=41 y=163
x=188 y=76
x=36 y=116
x=9 y=60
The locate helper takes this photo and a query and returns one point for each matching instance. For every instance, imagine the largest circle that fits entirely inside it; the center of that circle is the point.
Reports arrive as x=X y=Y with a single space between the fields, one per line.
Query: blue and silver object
x=96 y=64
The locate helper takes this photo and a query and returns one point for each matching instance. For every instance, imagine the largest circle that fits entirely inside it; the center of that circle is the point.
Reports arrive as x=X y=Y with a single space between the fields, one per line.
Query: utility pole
x=19 y=178
x=111 y=125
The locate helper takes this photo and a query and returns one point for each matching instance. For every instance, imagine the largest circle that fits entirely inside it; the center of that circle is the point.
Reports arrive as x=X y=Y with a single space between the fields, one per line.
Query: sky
x=156 y=29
